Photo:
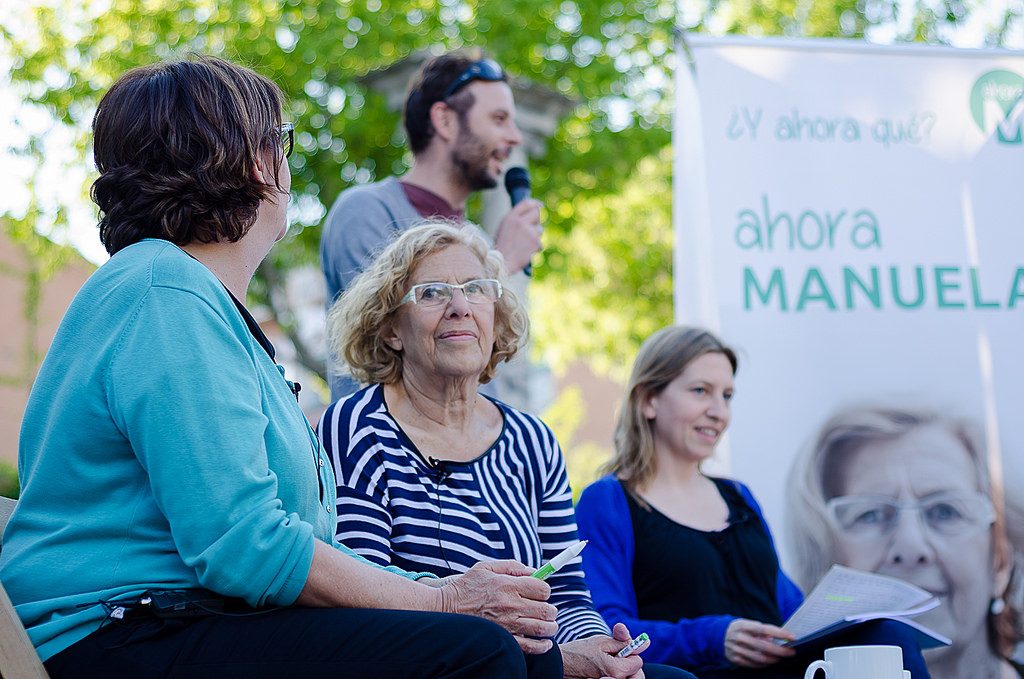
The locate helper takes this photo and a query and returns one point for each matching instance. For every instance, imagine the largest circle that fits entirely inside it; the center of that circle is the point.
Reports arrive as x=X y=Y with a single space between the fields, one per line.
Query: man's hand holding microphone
x=518 y=237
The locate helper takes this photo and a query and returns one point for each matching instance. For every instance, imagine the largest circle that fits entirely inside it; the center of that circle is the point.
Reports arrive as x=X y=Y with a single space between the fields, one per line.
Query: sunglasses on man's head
x=485 y=69
x=286 y=132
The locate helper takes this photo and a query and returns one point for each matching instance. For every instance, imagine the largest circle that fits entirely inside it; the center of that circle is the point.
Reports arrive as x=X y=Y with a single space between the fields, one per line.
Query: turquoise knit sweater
x=161 y=448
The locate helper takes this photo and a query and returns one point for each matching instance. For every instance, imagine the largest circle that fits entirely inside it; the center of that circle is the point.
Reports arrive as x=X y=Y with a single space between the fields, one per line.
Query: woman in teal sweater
x=162 y=449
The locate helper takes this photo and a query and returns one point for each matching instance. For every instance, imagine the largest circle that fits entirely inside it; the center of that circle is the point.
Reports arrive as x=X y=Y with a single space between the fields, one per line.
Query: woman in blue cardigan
x=686 y=557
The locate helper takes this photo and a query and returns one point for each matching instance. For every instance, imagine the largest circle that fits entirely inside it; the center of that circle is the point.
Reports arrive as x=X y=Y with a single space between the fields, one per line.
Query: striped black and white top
x=512 y=502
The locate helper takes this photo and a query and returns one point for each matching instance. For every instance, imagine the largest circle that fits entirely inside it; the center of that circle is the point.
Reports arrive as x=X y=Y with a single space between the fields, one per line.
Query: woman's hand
x=749 y=643
x=504 y=592
x=595 y=657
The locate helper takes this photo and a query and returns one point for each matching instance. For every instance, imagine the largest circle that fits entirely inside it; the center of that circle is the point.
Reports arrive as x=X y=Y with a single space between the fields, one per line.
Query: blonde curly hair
x=356 y=321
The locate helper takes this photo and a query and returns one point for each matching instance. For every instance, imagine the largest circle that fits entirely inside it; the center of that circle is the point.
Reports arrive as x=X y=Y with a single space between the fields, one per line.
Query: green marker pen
x=563 y=557
x=636 y=643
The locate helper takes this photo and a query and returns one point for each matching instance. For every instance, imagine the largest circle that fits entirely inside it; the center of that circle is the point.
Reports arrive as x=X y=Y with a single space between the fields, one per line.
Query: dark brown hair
x=427 y=88
x=176 y=145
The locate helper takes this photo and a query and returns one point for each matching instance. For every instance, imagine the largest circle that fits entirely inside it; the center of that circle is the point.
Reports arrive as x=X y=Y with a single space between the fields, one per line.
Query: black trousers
x=305 y=642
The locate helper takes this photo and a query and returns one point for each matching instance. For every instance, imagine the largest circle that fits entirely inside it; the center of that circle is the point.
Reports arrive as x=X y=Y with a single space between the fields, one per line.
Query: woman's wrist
x=429 y=599
x=570 y=659
x=575 y=662
x=444 y=599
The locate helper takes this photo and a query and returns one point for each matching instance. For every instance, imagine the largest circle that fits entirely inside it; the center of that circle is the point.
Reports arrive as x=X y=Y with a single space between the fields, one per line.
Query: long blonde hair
x=661 y=359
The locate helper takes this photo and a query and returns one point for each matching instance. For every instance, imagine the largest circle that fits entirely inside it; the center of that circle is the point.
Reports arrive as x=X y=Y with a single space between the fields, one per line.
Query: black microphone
x=517 y=183
x=440 y=467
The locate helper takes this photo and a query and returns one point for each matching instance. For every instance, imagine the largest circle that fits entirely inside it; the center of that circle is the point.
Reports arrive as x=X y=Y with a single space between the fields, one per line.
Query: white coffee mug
x=859 y=662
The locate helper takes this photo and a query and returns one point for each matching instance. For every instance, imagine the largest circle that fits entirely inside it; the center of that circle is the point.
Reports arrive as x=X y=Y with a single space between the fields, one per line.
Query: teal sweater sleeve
x=212 y=477
x=199 y=435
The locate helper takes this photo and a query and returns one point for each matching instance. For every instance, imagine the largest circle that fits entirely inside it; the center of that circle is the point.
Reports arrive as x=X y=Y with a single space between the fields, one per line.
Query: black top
x=682 y=572
x=254 y=328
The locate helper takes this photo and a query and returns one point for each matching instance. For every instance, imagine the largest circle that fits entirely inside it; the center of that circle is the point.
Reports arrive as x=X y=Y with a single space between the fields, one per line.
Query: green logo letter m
x=997 y=105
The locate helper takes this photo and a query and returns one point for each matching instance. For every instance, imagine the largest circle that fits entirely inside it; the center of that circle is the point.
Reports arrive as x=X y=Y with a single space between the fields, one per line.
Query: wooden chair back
x=7 y=506
x=18 y=658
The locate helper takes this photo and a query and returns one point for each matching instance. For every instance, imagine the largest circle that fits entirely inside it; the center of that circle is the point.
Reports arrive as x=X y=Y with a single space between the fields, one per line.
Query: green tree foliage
x=583 y=460
x=609 y=242
x=616 y=272
x=9 y=486
x=66 y=53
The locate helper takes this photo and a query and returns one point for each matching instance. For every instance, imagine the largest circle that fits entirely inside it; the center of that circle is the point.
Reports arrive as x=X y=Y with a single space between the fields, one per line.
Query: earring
x=997 y=606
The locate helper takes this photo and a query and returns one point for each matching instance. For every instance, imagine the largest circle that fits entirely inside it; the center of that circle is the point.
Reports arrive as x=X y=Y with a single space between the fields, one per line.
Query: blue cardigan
x=692 y=643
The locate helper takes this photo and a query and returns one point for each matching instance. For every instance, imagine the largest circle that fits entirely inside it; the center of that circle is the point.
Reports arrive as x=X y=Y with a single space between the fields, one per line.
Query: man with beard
x=460 y=123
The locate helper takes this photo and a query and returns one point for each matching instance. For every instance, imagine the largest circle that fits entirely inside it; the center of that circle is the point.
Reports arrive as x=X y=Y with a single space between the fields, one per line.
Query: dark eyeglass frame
x=484 y=69
x=286 y=133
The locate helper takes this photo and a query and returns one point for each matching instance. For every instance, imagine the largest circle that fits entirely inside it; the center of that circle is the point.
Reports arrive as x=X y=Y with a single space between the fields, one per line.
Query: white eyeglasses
x=480 y=291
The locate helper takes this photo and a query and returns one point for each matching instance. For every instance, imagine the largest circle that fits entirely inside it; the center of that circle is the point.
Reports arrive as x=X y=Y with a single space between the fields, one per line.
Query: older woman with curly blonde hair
x=432 y=472
x=356 y=323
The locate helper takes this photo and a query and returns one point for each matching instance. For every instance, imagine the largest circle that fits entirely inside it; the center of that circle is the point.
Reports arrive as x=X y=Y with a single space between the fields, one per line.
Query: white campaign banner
x=851 y=219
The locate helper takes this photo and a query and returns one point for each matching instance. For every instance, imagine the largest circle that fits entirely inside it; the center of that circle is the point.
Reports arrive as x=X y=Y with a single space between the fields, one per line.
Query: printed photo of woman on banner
x=908 y=493
x=849 y=217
